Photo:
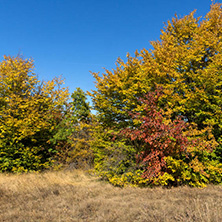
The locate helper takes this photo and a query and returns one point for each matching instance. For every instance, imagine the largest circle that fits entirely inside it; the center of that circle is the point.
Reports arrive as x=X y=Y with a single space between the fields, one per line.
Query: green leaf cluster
x=73 y=133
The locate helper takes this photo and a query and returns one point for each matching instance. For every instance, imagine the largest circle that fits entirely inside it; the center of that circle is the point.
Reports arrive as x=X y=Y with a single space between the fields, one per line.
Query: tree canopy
x=158 y=117
x=29 y=112
x=186 y=63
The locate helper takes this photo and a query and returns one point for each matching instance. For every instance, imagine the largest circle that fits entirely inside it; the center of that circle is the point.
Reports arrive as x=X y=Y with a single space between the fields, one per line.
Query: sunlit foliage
x=186 y=62
x=29 y=113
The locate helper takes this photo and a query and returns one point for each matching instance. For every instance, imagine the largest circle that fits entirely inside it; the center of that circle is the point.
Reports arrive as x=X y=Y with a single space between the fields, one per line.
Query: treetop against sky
x=71 y=38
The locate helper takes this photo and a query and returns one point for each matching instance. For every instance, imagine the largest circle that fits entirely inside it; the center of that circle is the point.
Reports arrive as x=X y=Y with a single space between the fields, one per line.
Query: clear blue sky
x=71 y=38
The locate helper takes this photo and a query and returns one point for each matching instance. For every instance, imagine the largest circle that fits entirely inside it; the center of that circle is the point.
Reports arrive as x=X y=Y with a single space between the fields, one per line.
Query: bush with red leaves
x=158 y=138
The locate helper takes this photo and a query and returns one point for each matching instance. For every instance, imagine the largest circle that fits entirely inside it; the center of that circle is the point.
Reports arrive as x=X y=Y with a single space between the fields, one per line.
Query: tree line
x=158 y=115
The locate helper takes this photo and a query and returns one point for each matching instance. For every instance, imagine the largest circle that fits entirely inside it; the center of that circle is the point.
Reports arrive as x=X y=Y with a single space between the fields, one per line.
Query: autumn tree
x=186 y=63
x=156 y=150
x=29 y=113
x=168 y=153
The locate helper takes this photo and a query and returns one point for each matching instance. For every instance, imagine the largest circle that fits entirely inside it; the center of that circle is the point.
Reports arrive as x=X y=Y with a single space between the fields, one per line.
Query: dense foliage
x=29 y=113
x=165 y=144
x=186 y=63
x=73 y=134
x=158 y=118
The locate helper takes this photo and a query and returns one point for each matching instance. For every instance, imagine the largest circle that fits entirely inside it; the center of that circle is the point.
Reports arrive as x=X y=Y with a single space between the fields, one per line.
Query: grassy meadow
x=78 y=196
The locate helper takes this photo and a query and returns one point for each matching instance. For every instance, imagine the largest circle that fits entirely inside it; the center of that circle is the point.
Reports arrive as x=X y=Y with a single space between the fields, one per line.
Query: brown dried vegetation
x=78 y=196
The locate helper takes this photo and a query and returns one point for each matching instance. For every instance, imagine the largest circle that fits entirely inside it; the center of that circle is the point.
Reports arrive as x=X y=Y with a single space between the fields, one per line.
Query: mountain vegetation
x=157 y=119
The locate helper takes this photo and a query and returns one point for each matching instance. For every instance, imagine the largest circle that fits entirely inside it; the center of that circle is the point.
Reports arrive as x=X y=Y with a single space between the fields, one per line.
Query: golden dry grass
x=77 y=196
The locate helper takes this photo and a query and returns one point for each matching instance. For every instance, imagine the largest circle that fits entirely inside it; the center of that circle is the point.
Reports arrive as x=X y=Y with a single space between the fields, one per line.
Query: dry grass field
x=77 y=196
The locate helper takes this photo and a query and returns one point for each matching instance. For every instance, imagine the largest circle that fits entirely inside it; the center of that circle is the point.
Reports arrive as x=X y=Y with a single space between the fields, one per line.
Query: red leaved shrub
x=158 y=136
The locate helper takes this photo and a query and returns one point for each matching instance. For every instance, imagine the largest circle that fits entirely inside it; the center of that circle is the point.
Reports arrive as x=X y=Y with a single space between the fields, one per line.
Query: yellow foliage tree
x=29 y=112
x=186 y=64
